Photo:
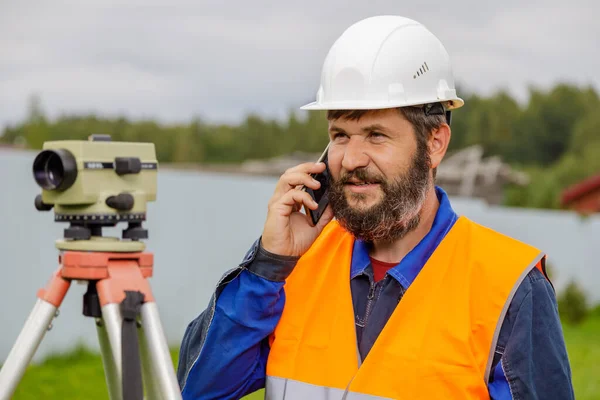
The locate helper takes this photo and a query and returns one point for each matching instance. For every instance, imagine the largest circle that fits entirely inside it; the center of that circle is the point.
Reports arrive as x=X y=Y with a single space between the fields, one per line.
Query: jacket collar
x=410 y=266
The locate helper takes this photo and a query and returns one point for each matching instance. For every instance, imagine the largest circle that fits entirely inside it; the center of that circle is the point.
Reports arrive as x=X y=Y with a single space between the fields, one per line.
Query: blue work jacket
x=224 y=350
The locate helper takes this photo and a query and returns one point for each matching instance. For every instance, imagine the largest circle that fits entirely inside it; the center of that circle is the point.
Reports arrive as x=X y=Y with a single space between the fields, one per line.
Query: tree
x=572 y=304
x=544 y=130
x=35 y=113
x=585 y=133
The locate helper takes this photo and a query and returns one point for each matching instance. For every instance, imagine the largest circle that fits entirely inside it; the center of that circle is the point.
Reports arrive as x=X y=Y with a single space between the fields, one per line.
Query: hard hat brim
x=450 y=104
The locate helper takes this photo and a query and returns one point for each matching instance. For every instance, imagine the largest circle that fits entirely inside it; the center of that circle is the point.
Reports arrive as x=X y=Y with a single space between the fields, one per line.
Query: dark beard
x=396 y=214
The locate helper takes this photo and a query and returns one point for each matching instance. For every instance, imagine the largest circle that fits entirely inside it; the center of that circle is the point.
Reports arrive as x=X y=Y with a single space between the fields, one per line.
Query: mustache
x=361 y=174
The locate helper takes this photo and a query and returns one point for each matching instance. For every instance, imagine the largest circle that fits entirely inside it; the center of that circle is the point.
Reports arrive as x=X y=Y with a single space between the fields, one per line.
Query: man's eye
x=376 y=135
x=339 y=135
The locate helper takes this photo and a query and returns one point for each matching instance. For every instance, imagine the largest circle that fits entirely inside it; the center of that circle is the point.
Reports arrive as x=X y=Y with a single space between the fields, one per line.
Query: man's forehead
x=361 y=119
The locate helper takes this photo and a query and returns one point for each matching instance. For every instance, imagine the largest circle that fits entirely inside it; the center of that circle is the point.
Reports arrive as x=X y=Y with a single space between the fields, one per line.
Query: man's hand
x=288 y=232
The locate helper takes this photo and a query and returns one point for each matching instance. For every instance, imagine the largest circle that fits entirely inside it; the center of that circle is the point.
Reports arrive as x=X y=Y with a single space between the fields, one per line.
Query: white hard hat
x=385 y=62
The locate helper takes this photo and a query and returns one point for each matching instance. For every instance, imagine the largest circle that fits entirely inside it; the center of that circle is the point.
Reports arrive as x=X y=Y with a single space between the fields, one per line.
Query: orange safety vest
x=438 y=343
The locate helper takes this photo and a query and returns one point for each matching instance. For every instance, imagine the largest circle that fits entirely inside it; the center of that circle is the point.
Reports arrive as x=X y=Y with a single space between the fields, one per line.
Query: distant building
x=18 y=144
x=466 y=173
x=9 y=146
x=584 y=196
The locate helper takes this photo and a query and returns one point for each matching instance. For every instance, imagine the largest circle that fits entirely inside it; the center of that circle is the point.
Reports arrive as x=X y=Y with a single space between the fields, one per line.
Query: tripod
x=121 y=301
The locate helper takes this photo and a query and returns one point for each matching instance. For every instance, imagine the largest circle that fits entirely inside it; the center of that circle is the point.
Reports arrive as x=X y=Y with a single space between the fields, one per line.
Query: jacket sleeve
x=224 y=350
x=533 y=360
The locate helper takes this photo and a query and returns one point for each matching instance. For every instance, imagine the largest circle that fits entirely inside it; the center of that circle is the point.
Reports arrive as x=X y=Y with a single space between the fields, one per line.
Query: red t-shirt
x=380 y=268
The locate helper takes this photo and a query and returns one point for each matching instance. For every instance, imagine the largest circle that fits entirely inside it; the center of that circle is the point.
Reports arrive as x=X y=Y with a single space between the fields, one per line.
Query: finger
x=294 y=198
x=295 y=180
x=307 y=168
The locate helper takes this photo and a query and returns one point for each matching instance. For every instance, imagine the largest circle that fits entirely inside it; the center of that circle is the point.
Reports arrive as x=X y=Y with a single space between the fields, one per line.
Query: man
x=398 y=297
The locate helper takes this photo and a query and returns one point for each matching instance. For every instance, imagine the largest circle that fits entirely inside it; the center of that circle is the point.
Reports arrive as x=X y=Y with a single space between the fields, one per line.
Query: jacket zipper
x=370 y=297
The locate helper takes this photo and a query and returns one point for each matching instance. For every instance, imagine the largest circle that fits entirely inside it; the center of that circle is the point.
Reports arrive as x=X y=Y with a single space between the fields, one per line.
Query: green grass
x=80 y=375
x=583 y=346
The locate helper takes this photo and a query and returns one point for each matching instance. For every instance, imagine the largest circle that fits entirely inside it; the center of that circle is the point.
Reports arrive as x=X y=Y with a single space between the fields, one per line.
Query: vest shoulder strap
x=496 y=248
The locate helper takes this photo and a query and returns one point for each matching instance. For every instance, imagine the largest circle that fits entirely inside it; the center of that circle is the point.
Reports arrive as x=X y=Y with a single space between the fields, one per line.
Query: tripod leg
x=38 y=322
x=156 y=348
x=113 y=381
x=111 y=316
x=150 y=385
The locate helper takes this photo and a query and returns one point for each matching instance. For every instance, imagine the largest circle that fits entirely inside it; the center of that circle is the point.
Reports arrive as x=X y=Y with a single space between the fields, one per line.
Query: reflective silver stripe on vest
x=530 y=267
x=288 y=389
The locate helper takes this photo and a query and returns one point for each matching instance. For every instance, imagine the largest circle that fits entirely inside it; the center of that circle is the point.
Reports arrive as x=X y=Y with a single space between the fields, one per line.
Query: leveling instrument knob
x=121 y=202
x=40 y=205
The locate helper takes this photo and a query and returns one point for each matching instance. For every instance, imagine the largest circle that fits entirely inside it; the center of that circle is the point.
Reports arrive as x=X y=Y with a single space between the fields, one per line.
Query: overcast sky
x=220 y=60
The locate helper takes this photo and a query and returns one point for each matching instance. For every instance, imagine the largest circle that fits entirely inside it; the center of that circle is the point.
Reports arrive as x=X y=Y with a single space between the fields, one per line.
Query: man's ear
x=438 y=144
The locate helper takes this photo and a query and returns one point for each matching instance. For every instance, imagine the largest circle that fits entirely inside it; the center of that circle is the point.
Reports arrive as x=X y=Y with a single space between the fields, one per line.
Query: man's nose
x=355 y=155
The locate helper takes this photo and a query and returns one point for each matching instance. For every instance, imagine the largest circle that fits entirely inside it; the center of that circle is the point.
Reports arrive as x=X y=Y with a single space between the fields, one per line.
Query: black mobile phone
x=321 y=195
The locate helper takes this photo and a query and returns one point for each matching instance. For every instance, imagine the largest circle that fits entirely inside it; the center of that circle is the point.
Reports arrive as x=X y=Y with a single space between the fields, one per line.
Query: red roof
x=579 y=189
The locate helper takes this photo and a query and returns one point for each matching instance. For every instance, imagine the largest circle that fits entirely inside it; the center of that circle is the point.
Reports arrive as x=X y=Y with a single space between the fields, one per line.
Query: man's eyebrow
x=336 y=129
x=375 y=127
x=366 y=129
